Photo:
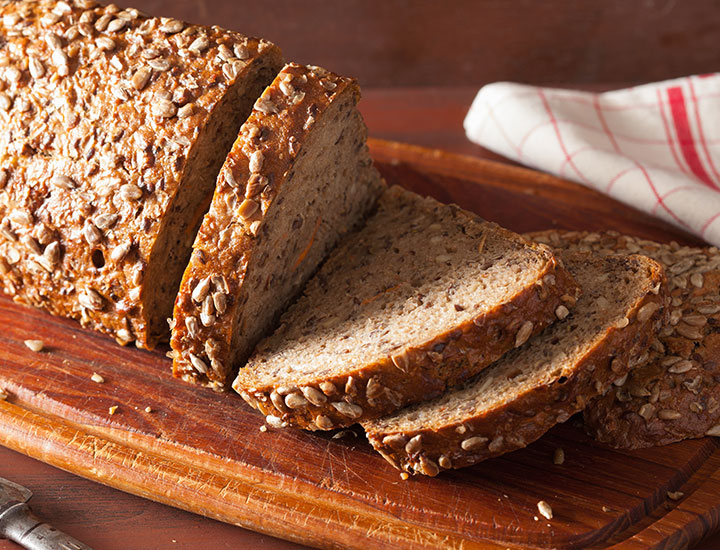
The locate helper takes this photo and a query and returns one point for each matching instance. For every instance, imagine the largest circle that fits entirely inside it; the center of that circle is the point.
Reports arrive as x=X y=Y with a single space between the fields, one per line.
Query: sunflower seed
x=164 y=108
x=241 y=51
x=414 y=445
x=185 y=111
x=116 y=25
x=256 y=161
x=323 y=422
x=473 y=443
x=172 y=26
x=224 y=52
x=105 y=43
x=394 y=441
x=35 y=345
x=141 y=77
x=646 y=311
x=523 y=334
x=91 y=233
x=198 y=364
x=429 y=468
x=545 y=509
x=5 y=102
x=120 y=251
x=105 y=221
x=159 y=64
x=37 y=69
x=328 y=388
x=561 y=312
x=90 y=299
x=681 y=367
x=130 y=192
x=348 y=409
x=295 y=401
x=199 y=45
x=316 y=397
x=52 y=253
x=668 y=414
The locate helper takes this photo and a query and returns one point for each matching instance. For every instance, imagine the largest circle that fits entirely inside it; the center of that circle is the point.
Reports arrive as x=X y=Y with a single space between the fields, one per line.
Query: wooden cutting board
x=204 y=452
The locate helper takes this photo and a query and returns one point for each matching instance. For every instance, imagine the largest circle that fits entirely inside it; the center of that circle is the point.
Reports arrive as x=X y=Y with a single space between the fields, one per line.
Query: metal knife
x=20 y=525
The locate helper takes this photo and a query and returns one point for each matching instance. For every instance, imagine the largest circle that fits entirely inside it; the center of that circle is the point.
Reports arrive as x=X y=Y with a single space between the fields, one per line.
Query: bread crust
x=277 y=129
x=393 y=382
x=102 y=109
x=520 y=422
x=675 y=395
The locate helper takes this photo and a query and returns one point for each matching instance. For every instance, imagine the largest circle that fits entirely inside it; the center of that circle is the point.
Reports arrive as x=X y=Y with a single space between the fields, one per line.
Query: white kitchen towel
x=655 y=147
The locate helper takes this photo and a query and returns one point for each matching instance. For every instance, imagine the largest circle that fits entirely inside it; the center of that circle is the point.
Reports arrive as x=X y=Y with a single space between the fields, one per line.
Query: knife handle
x=20 y=525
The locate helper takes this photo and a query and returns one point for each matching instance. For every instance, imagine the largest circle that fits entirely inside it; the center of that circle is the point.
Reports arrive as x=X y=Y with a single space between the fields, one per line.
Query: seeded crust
x=114 y=128
x=353 y=388
x=675 y=395
x=276 y=213
x=529 y=390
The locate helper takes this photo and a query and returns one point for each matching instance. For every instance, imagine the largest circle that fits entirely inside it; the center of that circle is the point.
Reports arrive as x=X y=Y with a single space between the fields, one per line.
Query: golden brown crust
x=101 y=110
x=523 y=420
x=258 y=166
x=675 y=395
x=421 y=372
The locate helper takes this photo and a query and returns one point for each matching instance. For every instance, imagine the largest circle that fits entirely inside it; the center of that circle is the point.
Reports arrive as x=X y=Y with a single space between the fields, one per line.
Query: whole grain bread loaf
x=675 y=394
x=529 y=390
x=298 y=178
x=114 y=128
x=424 y=296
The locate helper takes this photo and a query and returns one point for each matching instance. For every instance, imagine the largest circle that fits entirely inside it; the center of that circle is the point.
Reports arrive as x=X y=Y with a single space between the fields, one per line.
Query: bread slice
x=424 y=296
x=675 y=395
x=115 y=126
x=531 y=389
x=298 y=177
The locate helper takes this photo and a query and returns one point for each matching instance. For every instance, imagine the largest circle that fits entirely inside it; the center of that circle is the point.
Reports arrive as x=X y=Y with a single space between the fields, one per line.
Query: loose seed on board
x=97 y=378
x=35 y=345
x=545 y=509
x=558 y=456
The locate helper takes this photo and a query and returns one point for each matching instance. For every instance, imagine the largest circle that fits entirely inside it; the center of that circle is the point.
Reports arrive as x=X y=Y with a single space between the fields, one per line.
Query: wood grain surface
x=205 y=453
x=396 y=43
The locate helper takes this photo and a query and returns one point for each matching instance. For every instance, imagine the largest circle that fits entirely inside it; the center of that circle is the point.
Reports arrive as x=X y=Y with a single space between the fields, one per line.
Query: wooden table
x=400 y=50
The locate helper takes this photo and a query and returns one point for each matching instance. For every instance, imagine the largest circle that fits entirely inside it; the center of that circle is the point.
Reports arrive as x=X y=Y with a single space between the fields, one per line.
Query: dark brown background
x=420 y=63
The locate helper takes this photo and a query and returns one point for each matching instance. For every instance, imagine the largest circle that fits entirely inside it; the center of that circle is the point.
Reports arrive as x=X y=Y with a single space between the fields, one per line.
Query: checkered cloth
x=655 y=147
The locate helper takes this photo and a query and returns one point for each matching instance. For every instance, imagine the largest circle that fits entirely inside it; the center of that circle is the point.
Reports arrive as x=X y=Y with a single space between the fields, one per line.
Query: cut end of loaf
x=298 y=178
x=424 y=296
x=675 y=395
x=551 y=377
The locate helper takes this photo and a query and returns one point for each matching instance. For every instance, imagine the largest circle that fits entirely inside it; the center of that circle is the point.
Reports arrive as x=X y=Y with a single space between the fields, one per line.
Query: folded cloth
x=655 y=147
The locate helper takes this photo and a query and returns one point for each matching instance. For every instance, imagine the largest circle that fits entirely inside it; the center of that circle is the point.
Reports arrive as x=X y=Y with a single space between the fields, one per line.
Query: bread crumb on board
x=97 y=378
x=558 y=456
x=112 y=410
